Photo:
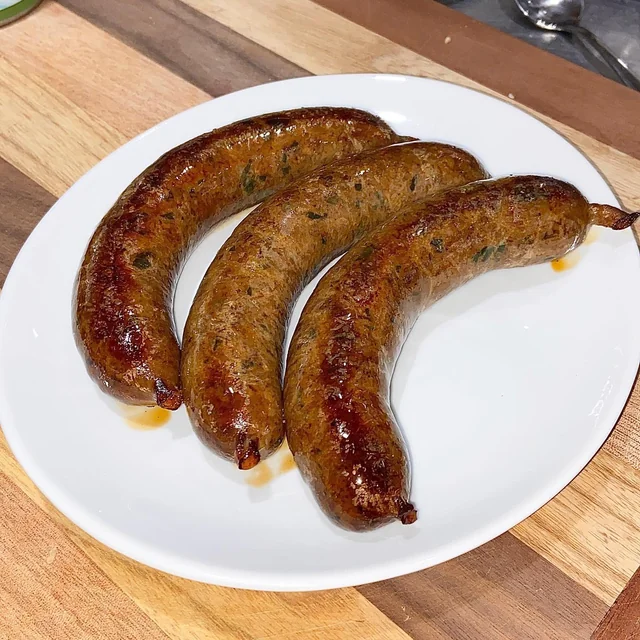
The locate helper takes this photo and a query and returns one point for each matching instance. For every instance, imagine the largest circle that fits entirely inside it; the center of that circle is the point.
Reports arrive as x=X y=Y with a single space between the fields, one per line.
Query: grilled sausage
x=340 y=427
x=233 y=340
x=124 y=321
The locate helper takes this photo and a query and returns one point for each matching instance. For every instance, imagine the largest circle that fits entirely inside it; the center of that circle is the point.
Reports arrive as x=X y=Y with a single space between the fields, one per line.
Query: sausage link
x=340 y=426
x=233 y=340
x=123 y=310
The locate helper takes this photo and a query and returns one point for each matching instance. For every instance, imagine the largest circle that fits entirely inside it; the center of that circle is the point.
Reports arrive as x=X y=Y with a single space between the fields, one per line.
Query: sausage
x=233 y=340
x=124 y=323
x=339 y=423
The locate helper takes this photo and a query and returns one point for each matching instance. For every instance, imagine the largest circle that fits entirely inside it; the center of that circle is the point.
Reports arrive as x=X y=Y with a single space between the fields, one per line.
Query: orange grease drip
x=287 y=463
x=592 y=236
x=279 y=464
x=260 y=475
x=147 y=419
x=566 y=262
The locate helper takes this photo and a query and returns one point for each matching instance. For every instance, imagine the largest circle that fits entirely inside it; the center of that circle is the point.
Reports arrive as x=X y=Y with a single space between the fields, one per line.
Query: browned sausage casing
x=124 y=319
x=233 y=340
x=340 y=426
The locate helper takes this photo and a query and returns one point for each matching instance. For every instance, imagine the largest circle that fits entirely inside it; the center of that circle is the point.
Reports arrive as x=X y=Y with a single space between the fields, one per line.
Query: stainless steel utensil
x=564 y=15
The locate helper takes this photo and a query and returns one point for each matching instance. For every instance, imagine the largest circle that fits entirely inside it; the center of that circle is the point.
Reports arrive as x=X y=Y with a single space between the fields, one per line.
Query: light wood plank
x=130 y=92
x=591 y=530
x=45 y=135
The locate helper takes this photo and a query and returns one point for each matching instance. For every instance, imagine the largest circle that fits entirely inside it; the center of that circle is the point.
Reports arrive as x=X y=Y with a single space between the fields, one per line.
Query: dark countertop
x=616 y=23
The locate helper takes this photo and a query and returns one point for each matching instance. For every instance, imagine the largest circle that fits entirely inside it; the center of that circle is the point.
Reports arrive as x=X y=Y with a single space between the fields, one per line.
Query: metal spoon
x=564 y=15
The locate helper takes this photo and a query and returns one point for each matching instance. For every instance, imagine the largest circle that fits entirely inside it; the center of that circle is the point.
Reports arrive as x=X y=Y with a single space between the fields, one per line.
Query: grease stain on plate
x=146 y=418
x=592 y=236
x=280 y=463
x=260 y=475
x=566 y=262
x=287 y=463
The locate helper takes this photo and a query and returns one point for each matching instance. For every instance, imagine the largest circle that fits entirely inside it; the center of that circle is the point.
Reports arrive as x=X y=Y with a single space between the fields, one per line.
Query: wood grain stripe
x=202 y=51
x=501 y=591
x=62 y=581
x=22 y=205
x=622 y=621
x=590 y=103
x=591 y=530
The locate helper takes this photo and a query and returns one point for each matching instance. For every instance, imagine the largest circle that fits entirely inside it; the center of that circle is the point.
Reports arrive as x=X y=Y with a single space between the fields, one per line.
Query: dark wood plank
x=192 y=45
x=500 y=591
x=622 y=621
x=584 y=100
x=22 y=204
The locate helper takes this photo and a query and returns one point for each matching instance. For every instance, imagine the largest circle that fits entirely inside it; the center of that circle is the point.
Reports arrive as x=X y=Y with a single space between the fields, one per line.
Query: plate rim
x=273 y=580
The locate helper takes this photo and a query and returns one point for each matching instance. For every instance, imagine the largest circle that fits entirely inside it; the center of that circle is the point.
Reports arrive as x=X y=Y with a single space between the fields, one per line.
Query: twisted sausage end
x=407 y=513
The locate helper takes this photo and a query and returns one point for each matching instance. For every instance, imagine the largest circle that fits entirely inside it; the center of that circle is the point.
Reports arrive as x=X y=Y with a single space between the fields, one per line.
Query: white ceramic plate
x=505 y=389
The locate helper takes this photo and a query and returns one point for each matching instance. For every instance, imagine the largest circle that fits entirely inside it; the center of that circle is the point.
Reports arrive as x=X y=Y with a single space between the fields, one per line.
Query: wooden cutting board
x=80 y=77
